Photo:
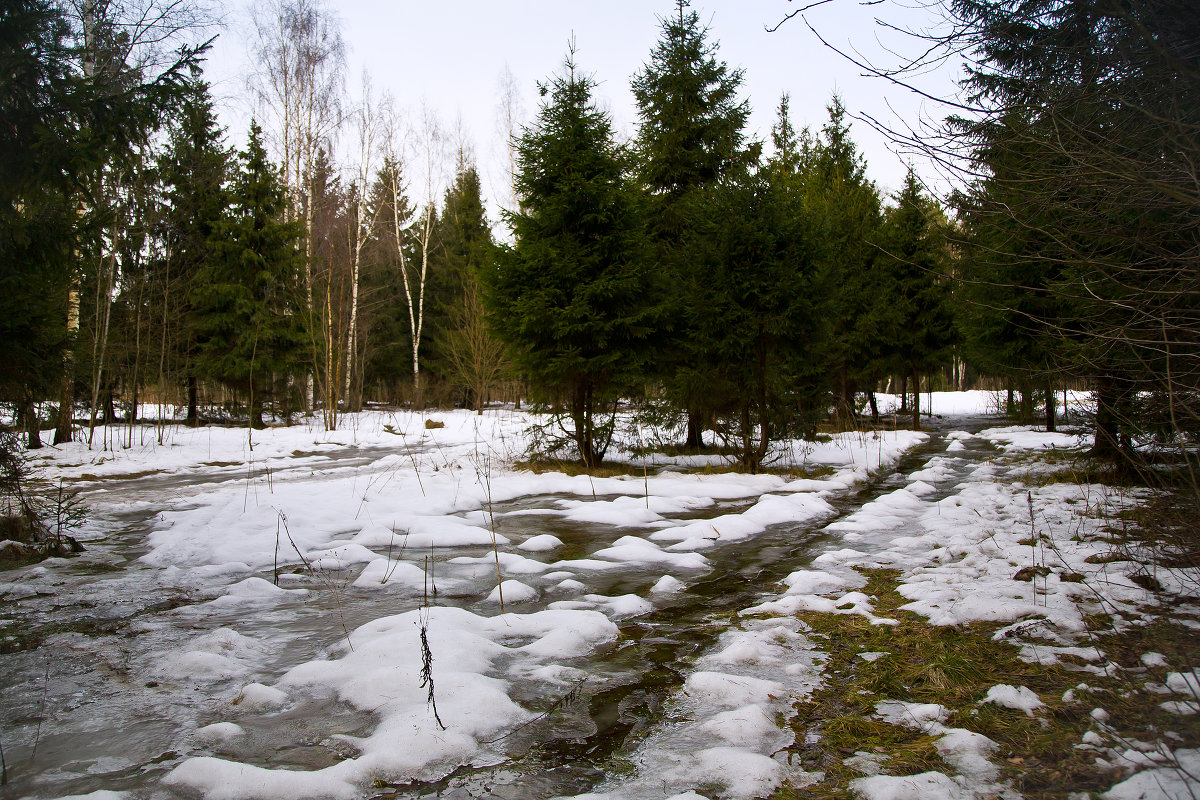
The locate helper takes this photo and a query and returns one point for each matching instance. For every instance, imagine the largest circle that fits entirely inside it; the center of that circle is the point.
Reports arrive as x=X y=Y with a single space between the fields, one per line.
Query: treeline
x=746 y=288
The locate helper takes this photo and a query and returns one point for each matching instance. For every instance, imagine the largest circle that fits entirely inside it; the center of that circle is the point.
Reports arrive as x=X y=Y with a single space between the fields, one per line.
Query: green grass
x=954 y=667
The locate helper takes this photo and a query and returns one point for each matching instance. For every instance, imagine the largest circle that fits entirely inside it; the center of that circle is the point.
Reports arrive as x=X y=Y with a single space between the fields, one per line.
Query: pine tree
x=758 y=326
x=569 y=298
x=193 y=170
x=462 y=350
x=847 y=208
x=60 y=127
x=689 y=137
x=249 y=298
x=911 y=318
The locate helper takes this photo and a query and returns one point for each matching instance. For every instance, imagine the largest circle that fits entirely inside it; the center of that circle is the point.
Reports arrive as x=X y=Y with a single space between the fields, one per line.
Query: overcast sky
x=450 y=54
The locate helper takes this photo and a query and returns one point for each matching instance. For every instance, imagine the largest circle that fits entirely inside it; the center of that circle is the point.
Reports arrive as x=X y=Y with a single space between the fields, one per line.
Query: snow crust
x=413 y=531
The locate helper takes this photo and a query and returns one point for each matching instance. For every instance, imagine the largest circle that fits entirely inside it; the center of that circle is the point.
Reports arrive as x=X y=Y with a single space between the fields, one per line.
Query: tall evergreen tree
x=758 y=321
x=690 y=136
x=1105 y=177
x=1012 y=309
x=570 y=297
x=460 y=348
x=193 y=170
x=910 y=318
x=60 y=126
x=846 y=205
x=249 y=298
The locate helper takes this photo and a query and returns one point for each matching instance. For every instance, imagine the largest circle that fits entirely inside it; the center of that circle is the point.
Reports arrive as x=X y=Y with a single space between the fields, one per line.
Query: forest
x=750 y=290
x=693 y=465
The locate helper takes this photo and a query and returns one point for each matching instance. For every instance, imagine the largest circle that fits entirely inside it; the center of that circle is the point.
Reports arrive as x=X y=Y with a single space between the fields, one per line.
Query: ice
x=721 y=690
x=218 y=655
x=748 y=726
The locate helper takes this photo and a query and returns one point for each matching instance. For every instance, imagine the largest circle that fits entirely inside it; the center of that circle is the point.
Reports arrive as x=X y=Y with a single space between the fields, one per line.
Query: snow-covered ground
x=314 y=613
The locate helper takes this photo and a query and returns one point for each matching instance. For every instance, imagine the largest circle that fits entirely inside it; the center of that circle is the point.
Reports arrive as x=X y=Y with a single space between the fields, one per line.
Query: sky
x=449 y=56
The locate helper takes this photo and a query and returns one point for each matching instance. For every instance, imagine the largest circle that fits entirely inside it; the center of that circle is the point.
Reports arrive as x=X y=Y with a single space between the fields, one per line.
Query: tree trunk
x=1050 y=411
x=1026 y=391
x=695 y=431
x=193 y=402
x=1107 y=446
x=256 y=414
x=63 y=429
x=28 y=417
x=904 y=393
x=874 y=406
x=916 y=406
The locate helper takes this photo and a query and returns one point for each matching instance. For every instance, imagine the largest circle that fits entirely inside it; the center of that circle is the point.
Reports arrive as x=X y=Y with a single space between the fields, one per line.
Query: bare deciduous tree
x=302 y=61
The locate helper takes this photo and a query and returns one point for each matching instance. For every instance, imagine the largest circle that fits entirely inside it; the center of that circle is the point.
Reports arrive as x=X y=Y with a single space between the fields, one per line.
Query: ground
x=398 y=610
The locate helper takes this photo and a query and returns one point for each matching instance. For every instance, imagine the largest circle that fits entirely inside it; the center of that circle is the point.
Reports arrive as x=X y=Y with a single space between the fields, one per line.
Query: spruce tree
x=570 y=297
x=60 y=127
x=462 y=350
x=193 y=170
x=690 y=136
x=847 y=208
x=250 y=296
x=1105 y=176
x=758 y=325
x=910 y=318
x=1013 y=310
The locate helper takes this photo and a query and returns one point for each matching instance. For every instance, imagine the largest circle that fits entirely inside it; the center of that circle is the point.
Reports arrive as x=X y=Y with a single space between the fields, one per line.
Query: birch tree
x=421 y=231
x=302 y=61
x=363 y=222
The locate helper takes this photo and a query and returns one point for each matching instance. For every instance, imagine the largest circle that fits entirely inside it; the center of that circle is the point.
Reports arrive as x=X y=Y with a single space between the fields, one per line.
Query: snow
x=258 y=697
x=512 y=591
x=408 y=524
x=1020 y=698
x=1171 y=782
x=926 y=786
x=1184 y=683
x=376 y=672
x=541 y=543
